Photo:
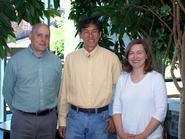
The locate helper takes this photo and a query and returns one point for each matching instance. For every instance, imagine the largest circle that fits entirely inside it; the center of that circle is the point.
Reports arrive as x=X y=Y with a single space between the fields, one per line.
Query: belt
x=90 y=110
x=39 y=113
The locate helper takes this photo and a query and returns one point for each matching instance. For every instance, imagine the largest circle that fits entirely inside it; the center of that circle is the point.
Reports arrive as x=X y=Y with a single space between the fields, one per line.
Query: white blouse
x=139 y=102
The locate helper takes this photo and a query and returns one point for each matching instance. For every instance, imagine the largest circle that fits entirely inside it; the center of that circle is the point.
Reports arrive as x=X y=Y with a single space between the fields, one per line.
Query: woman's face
x=137 y=56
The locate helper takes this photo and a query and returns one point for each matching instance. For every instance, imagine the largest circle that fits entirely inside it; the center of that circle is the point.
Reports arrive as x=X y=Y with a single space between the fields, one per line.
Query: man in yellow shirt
x=86 y=90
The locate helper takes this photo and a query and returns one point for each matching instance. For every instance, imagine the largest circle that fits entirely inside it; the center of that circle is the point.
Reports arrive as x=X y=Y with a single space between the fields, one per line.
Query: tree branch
x=166 y=52
x=155 y=14
x=179 y=32
x=150 y=31
x=183 y=58
x=181 y=5
x=177 y=55
x=174 y=22
x=162 y=2
x=174 y=60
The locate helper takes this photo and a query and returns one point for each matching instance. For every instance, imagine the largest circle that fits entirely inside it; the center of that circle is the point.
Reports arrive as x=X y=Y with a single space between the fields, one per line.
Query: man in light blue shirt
x=31 y=86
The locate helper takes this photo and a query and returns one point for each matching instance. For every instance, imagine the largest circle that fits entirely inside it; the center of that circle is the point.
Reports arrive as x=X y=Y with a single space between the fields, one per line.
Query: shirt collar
x=31 y=51
x=92 y=53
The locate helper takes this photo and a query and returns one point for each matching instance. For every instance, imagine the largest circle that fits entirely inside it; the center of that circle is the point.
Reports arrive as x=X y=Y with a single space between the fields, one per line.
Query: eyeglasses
x=90 y=32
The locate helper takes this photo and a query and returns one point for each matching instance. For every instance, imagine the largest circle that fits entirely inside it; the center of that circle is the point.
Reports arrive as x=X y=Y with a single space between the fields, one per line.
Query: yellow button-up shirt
x=88 y=79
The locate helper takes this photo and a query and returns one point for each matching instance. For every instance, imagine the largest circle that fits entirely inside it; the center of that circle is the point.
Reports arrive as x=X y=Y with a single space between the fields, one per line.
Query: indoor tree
x=32 y=11
x=133 y=18
x=161 y=22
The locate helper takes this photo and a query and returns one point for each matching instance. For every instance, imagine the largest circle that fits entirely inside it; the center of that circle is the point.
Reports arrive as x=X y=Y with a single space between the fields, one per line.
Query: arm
x=62 y=102
x=119 y=127
x=59 y=71
x=117 y=109
x=116 y=71
x=9 y=84
x=160 y=98
x=111 y=126
x=153 y=124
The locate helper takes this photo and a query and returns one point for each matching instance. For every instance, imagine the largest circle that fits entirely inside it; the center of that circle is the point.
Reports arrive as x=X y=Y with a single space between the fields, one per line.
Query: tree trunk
x=181 y=125
x=179 y=58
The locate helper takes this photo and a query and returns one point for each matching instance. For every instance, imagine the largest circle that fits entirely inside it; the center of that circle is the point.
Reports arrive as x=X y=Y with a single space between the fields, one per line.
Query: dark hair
x=84 y=23
x=148 y=62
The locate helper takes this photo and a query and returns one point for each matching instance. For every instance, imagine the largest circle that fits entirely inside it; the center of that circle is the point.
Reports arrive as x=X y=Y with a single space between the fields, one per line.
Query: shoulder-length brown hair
x=148 y=62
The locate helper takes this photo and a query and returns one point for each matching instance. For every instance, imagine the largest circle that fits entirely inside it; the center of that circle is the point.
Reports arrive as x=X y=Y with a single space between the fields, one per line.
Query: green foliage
x=83 y=9
x=58 y=47
x=165 y=10
x=7 y=14
x=31 y=11
x=149 y=19
x=57 y=38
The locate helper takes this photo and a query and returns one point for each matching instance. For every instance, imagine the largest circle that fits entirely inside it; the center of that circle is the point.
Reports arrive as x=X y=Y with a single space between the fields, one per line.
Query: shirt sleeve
x=160 y=97
x=59 y=75
x=9 y=84
x=117 y=96
x=111 y=104
x=63 y=106
x=116 y=70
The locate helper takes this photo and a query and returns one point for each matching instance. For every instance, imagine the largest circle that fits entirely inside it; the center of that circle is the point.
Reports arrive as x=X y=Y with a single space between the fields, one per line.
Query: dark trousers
x=27 y=126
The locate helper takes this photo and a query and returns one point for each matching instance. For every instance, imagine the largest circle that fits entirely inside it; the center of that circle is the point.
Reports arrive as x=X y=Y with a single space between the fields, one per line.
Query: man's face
x=40 y=38
x=90 y=36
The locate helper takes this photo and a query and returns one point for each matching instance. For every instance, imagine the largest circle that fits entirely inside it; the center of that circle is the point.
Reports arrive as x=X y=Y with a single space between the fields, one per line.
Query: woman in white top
x=140 y=101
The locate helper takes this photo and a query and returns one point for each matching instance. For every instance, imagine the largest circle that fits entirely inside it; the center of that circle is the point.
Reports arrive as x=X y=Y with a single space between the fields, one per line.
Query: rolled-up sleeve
x=160 y=95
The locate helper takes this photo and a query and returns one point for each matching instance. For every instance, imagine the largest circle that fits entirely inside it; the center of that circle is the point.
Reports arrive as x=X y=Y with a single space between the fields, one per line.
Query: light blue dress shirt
x=32 y=84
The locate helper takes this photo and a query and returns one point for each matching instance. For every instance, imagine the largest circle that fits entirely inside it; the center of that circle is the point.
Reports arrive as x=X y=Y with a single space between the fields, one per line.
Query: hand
x=62 y=131
x=140 y=136
x=111 y=127
x=126 y=136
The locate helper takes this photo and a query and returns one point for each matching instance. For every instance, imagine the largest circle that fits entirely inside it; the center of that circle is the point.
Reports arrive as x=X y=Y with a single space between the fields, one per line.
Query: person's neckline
x=88 y=54
x=138 y=79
